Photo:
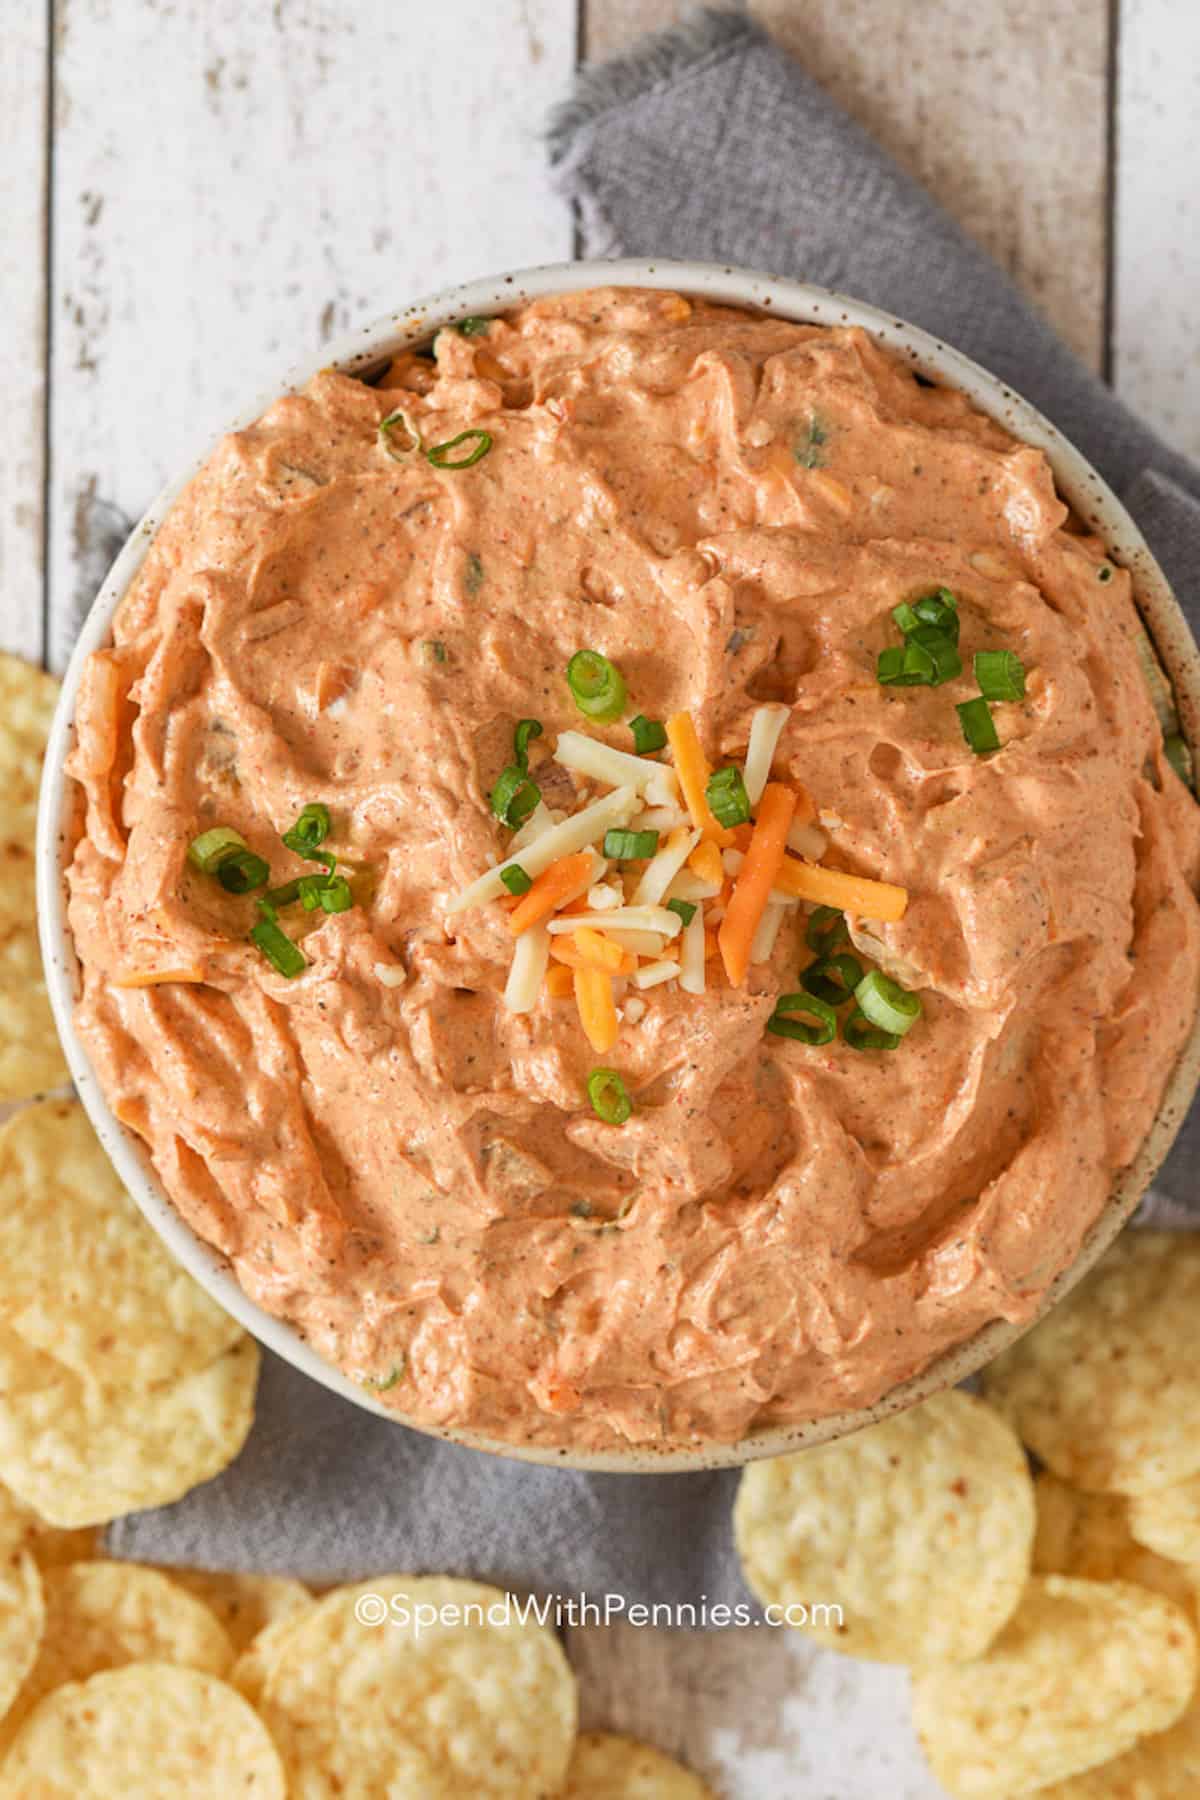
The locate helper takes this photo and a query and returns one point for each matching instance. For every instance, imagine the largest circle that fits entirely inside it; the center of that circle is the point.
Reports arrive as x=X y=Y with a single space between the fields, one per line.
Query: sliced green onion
x=526 y=729
x=978 y=726
x=648 y=735
x=886 y=1004
x=473 y=326
x=685 y=908
x=726 y=794
x=332 y=893
x=431 y=650
x=941 y=648
x=1105 y=572
x=310 y=831
x=597 y=685
x=286 y=895
x=791 y=1012
x=439 y=454
x=905 y=617
x=240 y=872
x=833 y=978
x=609 y=1096
x=399 y=452
x=826 y=929
x=628 y=846
x=1176 y=751
x=911 y=666
x=514 y=796
x=860 y=1034
x=808 y=450
x=1000 y=674
x=278 y=948
x=207 y=851
x=473 y=580
x=940 y=610
x=515 y=879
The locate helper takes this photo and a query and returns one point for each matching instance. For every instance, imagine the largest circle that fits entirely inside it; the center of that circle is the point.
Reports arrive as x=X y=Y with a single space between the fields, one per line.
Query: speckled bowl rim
x=355 y=353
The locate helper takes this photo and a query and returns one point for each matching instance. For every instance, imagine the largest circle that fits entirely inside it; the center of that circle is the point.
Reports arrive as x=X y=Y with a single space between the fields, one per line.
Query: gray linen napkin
x=706 y=142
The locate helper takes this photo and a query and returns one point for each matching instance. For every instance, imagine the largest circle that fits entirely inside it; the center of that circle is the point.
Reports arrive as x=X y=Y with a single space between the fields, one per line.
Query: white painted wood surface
x=23 y=131
x=231 y=184
x=1156 y=285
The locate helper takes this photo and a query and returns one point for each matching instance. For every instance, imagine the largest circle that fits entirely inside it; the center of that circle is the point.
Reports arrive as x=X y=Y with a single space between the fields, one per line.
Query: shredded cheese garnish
x=139 y=978
x=855 y=894
x=597 y=1009
x=693 y=769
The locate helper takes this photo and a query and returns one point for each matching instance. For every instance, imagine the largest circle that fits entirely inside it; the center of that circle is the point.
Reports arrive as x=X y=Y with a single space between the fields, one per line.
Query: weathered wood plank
x=761 y=1714
x=235 y=184
x=1001 y=110
x=24 y=88
x=1156 y=250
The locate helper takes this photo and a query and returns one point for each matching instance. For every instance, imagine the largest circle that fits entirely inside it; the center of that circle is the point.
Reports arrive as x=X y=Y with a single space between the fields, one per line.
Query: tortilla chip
x=1089 y=1535
x=919 y=1528
x=146 y=1732
x=244 y=1604
x=606 y=1767
x=1082 y=1671
x=83 y=1277
x=1163 y=1767
x=103 y=1615
x=28 y=697
x=83 y=1452
x=438 y=1702
x=1106 y=1389
x=1168 y=1520
x=22 y=1620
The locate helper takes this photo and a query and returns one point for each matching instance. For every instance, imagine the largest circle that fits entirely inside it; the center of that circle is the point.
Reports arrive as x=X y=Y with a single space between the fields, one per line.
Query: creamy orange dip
x=729 y=508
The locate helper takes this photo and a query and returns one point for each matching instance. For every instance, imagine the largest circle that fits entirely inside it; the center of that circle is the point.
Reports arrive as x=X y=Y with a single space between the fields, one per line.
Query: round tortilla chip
x=82 y=1275
x=103 y=1615
x=22 y=1621
x=607 y=1767
x=21 y=1529
x=149 y=1731
x=1163 y=1767
x=28 y=697
x=461 y=1698
x=252 y=1667
x=83 y=1452
x=1168 y=1520
x=31 y=1058
x=1080 y=1673
x=1107 y=1388
x=1088 y=1535
x=919 y=1528
x=244 y=1604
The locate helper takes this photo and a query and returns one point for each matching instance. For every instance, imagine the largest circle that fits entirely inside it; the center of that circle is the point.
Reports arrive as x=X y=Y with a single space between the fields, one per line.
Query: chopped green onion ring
x=833 y=978
x=278 y=948
x=439 y=454
x=240 y=872
x=515 y=879
x=475 y=326
x=860 y=1034
x=942 y=650
x=310 y=831
x=685 y=908
x=978 y=726
x=207 y=851
x=514 y=796
x=1000 y=674
x=609 y=1096
x=399 y=452
x=286 y=895
x=597 y=686
x=826 y=929
x=726 y=794
x=526 y=729
x=629 y=846
x=648 y=735
x=886 y=1004
x=791 y=1011
x=905 y=617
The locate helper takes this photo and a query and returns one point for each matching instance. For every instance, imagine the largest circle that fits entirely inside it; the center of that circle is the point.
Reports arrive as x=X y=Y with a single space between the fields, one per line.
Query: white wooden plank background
x=229 y=185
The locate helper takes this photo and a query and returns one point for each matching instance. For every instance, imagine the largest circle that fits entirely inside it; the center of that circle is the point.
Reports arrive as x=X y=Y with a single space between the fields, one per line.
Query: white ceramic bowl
x=369 y=347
